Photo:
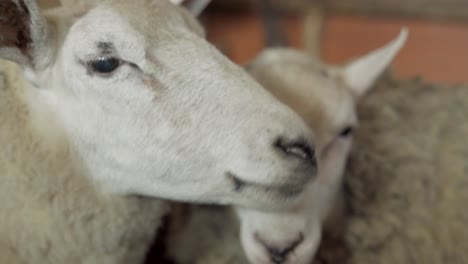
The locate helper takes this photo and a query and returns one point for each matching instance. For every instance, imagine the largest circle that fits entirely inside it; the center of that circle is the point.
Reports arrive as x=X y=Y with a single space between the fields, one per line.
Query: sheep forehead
x=308 y=86
x=134 y=29
x=154 y=20
x=153 y=16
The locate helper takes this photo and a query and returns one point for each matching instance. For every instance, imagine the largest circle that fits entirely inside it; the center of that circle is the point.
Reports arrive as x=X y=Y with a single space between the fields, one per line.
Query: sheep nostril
x=277 y=259
x=279 y=255
x=297 y=148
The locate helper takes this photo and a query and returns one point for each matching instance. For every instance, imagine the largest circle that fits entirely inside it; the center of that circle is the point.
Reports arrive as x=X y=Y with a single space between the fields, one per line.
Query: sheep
x=117 y=108
x=325 y=96
x=406 y=183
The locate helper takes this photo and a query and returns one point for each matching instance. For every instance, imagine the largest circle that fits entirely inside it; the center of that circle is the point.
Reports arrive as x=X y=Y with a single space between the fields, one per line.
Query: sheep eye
x=346 y=132
x=105 y=65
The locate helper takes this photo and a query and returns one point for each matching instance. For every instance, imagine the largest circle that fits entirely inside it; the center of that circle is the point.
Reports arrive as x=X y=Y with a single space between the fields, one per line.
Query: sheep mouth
x=285 y=190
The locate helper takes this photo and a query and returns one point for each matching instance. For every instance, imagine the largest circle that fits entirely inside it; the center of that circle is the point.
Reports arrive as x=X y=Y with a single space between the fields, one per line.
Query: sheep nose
x=297 y=148
x=276 y=255
x=279 y=255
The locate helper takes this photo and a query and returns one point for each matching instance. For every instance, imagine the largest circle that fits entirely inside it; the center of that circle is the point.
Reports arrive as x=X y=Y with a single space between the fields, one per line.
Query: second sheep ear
x=360 y=74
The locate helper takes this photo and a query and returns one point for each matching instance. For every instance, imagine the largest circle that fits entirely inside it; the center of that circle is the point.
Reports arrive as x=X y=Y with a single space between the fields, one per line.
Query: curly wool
x=407 y=178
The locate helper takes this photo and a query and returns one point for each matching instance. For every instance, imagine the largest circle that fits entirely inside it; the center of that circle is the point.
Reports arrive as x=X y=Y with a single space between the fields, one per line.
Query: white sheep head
x=325 y=97
x=151 y=108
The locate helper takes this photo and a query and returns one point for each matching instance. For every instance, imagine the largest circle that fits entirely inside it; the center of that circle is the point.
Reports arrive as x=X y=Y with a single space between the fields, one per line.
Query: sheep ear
x=23 y=32
x=195 y=7
x=362 y=73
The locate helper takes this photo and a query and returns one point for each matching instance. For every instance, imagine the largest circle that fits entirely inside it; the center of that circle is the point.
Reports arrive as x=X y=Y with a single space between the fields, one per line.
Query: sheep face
x=151 y=108
x=325 y=97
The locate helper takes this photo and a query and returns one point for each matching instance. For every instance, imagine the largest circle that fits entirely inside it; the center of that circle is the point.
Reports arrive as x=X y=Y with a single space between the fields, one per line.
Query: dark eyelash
x=347 y=131
x=105 y=65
